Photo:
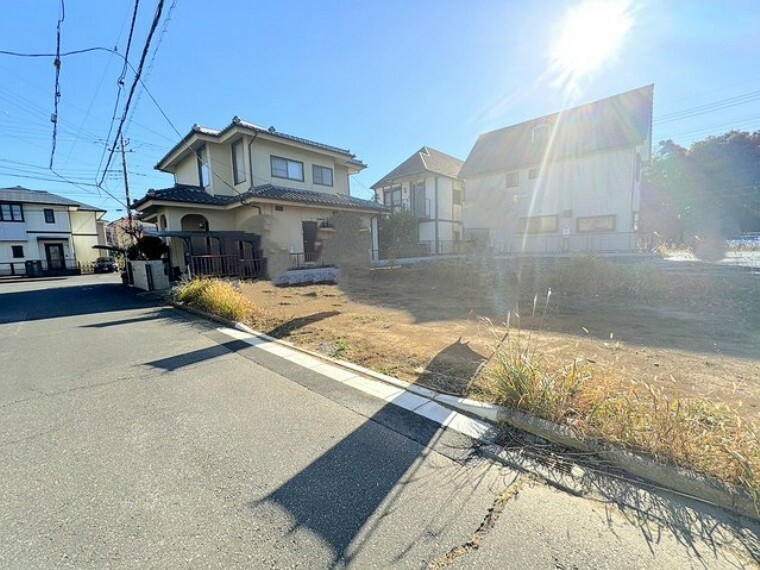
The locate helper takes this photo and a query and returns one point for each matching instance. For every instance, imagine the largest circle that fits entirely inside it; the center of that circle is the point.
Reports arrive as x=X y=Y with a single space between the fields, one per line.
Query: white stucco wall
x=262 y=150
x=187 y=171
x=594 y=185
x=84 y=235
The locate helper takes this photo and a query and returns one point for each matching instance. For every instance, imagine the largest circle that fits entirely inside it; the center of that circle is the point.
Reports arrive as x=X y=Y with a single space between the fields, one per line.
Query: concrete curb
x=672 y=477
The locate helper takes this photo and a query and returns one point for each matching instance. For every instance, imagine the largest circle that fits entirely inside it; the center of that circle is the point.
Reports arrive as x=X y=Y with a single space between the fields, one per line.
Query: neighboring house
x=565 y=182
x=247 y=192
x=118 y=235
x=36 y=225
x=427 y=184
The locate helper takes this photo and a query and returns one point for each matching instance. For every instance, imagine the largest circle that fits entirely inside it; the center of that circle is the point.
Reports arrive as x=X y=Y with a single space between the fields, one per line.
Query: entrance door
x=54 y=256
x=309 y=241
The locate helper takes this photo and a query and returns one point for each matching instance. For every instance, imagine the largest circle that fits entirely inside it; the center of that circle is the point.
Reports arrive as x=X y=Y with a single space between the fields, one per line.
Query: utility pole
x=124 y=143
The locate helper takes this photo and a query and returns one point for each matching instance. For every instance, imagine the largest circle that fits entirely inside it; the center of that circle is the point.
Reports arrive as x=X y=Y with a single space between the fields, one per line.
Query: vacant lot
x=691 y=332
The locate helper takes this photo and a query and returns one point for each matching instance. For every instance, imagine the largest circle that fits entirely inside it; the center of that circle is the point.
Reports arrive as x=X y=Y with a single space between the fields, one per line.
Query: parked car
x=105 y=265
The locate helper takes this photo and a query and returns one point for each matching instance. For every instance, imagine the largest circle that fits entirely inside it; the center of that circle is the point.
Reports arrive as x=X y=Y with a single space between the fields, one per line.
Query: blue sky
x=380 y=78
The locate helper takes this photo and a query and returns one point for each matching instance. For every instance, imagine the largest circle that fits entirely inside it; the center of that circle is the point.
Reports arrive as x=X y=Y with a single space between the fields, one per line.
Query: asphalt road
x=134 y=435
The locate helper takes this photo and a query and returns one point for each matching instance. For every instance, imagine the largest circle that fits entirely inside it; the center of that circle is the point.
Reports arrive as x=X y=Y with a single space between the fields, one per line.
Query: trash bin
x=33 y=268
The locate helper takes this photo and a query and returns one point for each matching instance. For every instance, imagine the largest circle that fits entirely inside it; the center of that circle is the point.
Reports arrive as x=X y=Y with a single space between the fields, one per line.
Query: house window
x=284 y=168
x=238 y=162
x=596 y=224
x=49 y=216
x=513 y=179
x=11 y=213
x=18 y=251
x=538 y=225
x=322 y=175
x=203 y=169
x=539 y=133
x=278 y=208
x=392 y=197
x=532 y=173
x=457 y=196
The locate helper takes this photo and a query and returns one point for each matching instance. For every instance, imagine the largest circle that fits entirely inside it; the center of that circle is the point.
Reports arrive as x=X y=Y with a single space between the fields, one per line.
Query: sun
x=590 y=36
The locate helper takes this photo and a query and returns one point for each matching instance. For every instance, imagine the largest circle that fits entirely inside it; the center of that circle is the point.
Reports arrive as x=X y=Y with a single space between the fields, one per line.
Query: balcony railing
x=421 y=209
x=596 y=242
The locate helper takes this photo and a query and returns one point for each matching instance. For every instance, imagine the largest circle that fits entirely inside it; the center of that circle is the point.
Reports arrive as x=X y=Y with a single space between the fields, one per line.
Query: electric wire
x=135 y=82
x=57 y=94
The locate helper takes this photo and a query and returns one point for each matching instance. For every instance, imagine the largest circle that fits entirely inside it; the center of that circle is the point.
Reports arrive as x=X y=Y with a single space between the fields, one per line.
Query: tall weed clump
x=217 y=296
x=693 y=433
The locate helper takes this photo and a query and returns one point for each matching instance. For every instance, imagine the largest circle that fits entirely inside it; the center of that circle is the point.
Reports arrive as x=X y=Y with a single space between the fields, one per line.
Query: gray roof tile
x=424 y=160
x=21 y=194
x=617 y=121
x=196 y=195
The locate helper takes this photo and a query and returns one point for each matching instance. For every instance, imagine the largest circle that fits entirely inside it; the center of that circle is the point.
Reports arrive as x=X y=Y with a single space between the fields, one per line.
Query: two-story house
x=567 y=182
x=38 y=226
x=247 y=192
x=427 y=184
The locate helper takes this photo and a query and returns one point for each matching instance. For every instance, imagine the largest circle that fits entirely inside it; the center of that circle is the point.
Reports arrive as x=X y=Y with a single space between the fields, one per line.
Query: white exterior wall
x=448 y=215
x=84 y=235
x=593 y=185
x=262 y=150
x=186 y=172
x=220 y=170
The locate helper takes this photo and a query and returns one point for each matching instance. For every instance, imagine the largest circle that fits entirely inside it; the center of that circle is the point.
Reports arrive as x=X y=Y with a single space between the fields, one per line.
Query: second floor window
x=238 y=162
x=392 y=197
x=513 y=179
x=322 y=175
x=49 y=216
x=11 y=213
x=203 y=169
x=284 y=168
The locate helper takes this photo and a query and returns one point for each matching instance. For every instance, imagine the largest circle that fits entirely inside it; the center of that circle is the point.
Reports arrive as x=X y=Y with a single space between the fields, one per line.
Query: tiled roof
x=271 y=192
x=180 y=193
x=21 y=194
x=271 y=131
x=196 y=195
x=617 y=121
x=424 y=160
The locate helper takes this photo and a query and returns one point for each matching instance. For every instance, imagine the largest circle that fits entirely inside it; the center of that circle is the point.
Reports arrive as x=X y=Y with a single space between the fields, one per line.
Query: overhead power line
x=120 y=82
x=57 y=94
x=135 y=83
x=149 y=69
x=708 y=108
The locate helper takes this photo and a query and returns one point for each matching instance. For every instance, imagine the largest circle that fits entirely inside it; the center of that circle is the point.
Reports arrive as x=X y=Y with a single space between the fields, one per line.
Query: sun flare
x=590 y=36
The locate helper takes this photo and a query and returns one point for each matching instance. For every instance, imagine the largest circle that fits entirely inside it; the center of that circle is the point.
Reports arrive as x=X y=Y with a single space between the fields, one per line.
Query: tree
x=397 y=235
x=147 y=247
x=711 y=190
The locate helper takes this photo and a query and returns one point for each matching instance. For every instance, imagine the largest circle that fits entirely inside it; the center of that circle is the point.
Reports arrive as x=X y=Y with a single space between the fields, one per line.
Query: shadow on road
x=336 y=495
x=57 y=302
x=197 y=356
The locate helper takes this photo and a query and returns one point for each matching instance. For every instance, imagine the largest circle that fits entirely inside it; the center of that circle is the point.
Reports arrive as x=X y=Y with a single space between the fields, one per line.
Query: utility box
x=149 y=275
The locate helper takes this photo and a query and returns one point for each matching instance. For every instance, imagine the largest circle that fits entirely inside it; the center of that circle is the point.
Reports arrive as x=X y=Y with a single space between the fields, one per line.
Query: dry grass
x=691 y=432
x=219 y=297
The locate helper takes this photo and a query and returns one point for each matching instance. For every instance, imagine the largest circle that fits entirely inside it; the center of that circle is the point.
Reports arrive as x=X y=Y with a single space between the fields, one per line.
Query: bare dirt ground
x=433 y=327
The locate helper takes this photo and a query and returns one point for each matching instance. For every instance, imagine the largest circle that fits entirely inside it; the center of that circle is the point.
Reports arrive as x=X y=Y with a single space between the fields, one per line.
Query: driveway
x=135 y=435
